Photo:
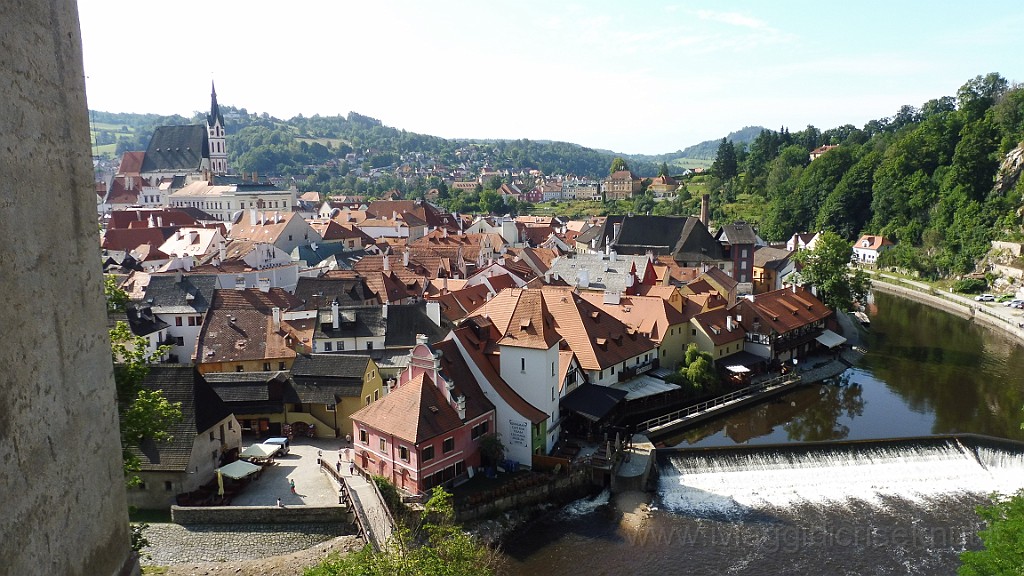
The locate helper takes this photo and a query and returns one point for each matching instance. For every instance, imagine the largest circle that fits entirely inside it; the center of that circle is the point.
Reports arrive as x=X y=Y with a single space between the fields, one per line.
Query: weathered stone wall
x=261 y=515
x=61 y=487
x=559 y=490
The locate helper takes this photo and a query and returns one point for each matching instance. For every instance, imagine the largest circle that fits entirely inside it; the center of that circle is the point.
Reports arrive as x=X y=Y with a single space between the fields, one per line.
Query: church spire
x=215 y=114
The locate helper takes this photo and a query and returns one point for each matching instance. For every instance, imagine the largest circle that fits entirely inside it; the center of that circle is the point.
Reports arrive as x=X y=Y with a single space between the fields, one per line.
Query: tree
x=143 y=413
x=117 y=299
x=663 y=169
x=826 y=268
x=726 y=165
x=437 y=546
x=1003 y=538
x=618 y=165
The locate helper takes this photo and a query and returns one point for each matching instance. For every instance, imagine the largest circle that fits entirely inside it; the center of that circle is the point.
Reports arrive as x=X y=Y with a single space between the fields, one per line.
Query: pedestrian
x=351 y=468
x=339 y=465
x=279 y=505
x=319 y=457
x=291 y=484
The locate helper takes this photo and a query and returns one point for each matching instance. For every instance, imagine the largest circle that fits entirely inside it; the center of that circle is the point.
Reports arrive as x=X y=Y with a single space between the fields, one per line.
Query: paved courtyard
x=176 y=544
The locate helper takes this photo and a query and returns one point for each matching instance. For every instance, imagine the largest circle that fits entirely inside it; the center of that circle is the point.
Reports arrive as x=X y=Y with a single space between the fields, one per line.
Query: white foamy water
x=585 y=506
x=736 y=483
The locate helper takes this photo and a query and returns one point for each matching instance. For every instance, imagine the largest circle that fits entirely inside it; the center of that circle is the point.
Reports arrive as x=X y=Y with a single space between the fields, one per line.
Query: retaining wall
x=189 y=515
x=560 y=490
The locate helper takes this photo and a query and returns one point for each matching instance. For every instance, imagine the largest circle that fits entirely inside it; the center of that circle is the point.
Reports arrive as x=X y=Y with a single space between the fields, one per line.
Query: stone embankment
x=994 y=315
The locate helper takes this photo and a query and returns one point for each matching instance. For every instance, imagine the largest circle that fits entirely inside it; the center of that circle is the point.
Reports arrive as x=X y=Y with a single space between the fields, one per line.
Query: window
x=341 y=345
x=191 y=320
x=231 y=424
x=364 y=437
x=211 y=435
x=448 y=445
x=331 y=407
x=479 y=430
x=403 y=453
x=522 y=364
x=552 y=368
x=266 y=366
x=376 y=394
x=552 y=393
x=383 y=445
x=180 y=341
x=367 y=399
x=613 y=371
x=177 y=321
x=369 y=345
x=328 y=347
x=693 y=332
x=238 y=368
x=280 y=365
x=427 y=453
x=168 y=486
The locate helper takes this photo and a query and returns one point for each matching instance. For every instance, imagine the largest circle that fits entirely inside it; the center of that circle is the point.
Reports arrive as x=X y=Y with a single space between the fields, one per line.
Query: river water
x=900 y=511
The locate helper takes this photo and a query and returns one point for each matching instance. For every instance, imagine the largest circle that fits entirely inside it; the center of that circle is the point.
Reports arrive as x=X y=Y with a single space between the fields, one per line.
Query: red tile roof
x=415 y=411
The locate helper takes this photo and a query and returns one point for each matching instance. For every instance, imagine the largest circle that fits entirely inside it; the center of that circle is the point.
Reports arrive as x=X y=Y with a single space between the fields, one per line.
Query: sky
x=641 y=77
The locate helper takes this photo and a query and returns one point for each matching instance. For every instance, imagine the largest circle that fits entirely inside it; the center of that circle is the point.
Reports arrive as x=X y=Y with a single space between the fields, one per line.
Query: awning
x=737 y=369
x=260 y=450
x=593 y=402
x=830 y=339
x=238 y=469
x=643 y=385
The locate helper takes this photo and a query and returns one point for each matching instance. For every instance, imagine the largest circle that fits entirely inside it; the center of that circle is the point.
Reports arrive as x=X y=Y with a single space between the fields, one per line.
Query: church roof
x=177 y=149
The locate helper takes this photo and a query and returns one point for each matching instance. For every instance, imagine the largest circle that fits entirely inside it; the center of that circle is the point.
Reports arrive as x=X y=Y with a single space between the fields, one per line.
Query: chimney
x=252 y=216
x=335 y=321
x=222 y=251
x=387 y=263
x=239 y=282
x=405 y=257
x=193 y=235
x=739 y=319
x=421 y=339
x=460 y=406
x=152 y=222
x=264 y=285
x=159 y=221
x=728 y=323
x=179 y=276
x=384 y=311
x=275 y=315
x=705 y=209
x=612 y=255
x=444 y=285
x=616 y=229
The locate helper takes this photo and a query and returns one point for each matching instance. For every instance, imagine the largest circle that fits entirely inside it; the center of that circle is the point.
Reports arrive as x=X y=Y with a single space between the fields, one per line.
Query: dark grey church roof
x=738 y=232
x=201 y=409
x=177 y=149
x=355 y=322
x=326 y=378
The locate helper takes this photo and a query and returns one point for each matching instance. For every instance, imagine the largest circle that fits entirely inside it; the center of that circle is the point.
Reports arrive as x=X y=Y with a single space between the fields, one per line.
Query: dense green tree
x=143 y=413
x=726 y=165
x=618 y=164
x=663 y=169
x=1002 y=537
x=827 y=269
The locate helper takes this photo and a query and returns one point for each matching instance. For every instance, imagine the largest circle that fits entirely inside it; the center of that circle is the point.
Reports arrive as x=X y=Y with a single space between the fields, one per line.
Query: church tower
x=218 y=141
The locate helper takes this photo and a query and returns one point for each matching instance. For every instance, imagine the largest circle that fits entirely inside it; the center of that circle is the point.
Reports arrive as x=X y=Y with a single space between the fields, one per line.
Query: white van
x=279 y=441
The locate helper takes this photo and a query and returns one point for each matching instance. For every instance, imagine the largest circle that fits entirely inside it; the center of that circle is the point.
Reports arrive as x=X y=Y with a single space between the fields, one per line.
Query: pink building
x=426 y=431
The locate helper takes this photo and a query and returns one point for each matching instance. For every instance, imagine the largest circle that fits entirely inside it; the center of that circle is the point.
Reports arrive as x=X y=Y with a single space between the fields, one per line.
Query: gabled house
x=426 y=431
x=261 y=401
x=783 y=324
x=739 y=240
x=350 y=328
x=250 y=264
x=207 y=436
x=621 y=185
x=718 y=333
x=869 y=247
x=250 y=330
x=652 y=316
x=802 y=241
x=181 y=301
x=771 y=268
x=331 y=387
x=285 y=231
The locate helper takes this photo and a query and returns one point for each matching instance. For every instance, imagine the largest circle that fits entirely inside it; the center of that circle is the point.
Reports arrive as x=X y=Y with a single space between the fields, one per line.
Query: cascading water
x=733 y=482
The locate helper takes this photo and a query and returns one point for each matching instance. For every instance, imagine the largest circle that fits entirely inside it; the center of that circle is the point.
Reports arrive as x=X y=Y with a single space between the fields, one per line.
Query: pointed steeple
x=215 y=114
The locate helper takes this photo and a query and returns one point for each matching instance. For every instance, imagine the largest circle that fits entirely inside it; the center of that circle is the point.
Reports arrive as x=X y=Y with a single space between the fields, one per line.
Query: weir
x=745 y=479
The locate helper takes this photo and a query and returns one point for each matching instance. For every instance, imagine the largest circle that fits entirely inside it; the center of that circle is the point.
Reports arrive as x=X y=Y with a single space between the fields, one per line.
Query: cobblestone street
x=176 y=544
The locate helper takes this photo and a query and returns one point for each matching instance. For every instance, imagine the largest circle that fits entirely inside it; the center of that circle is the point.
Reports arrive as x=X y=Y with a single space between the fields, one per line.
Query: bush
x=391 y=496
x=970 y=285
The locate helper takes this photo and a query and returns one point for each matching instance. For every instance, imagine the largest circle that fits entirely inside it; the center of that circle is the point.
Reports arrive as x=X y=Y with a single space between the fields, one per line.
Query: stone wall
x=189 y=515
x=560 y=489
x=61 y=483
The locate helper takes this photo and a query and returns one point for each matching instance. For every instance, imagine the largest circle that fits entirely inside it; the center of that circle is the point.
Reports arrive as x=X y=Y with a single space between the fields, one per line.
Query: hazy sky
x=633 y=77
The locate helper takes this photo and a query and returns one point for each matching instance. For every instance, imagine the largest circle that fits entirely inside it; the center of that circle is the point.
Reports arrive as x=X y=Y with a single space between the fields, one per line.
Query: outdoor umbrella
x=260 y=450
x=238 y=469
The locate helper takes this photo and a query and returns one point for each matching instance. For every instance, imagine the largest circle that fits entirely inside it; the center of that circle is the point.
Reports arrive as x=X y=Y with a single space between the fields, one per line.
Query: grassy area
x=149 y=516
x=154 y=570
x=331 y=142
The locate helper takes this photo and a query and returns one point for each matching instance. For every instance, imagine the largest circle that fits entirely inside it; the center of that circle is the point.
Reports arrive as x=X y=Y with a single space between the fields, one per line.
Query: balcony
x=634 y=371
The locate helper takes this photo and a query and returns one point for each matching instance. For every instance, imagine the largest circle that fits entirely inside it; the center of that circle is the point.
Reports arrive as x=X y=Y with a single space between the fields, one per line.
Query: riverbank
x=994 y=315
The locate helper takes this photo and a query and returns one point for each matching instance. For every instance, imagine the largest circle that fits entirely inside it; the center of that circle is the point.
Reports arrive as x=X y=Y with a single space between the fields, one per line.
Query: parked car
x=282 y=442
x=1014 y=304
x=985 y=298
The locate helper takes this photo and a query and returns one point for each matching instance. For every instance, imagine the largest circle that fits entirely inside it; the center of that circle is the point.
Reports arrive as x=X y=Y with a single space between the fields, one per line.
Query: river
x=904 y=511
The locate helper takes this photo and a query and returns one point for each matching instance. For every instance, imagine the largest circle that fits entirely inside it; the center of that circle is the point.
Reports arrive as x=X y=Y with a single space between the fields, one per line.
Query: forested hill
x=705 y=150
x=268 y=145
x=928 y=178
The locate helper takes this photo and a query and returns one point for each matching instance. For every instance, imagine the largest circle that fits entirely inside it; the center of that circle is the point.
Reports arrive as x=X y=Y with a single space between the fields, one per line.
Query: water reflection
x=926 y=372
